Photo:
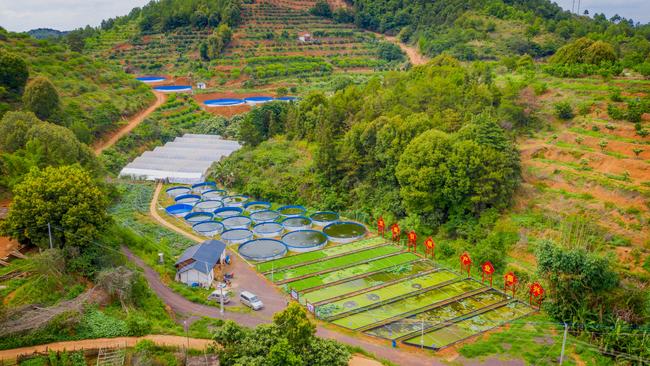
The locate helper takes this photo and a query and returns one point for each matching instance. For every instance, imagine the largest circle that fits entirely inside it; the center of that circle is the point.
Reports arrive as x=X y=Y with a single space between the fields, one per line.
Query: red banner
x=413 y=240
x=536 y=292
x=395 y=231
x=510 y=282
x=465 y=263
x=381 y=226
x=429 y=245
x=488 y=270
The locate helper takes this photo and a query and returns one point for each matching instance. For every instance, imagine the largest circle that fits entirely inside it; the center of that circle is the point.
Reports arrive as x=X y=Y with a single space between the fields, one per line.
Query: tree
x=322 y=9
x=293 y=323
x=41 y=98
x=13 y=72
x=637 y=151
x=563 y=110
x=67 y=198
x=13 y=130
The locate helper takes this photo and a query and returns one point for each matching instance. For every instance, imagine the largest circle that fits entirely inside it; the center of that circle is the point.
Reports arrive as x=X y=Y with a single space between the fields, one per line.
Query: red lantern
x=536 y=292
x=488 y=270
x=465 y=263
x=413 y=240
x=429 y=245
x=395 y=231
x=381 y=225
x=510 y=281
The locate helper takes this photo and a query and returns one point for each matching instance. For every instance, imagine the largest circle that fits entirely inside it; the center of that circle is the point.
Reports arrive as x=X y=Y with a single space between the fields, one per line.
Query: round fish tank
x=257 y=206
x=208 y=205
x=344 y=231
x=236 y=222
x=208 y=228
x=264 y=216
x=236 y=236
x=286 y=99
x=267 y=230
x=262 y=249
x=195 y=217
x=222 y=213
x=324 y=218
x=296 y=223
x=223 y=102
x=174 y=192
x=173 y=88
x=214 y=194
x=235 y=201
x=304 y=240
x=189 y=199
x=203 y=187
x=261 y=99
x=292 y=211
x=179 y=209
x=151 y=79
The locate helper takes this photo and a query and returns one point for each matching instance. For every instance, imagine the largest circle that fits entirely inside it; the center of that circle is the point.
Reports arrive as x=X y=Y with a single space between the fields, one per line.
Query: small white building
x=200 y=85
x=304 y=37
x=196 y=265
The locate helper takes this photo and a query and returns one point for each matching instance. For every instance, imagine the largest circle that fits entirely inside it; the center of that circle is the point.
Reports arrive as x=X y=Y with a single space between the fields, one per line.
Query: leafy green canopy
x=166 y=15
x=584 y=51
x=41 y=98
x=67 y=197
x=13 y=73
x=289 y=341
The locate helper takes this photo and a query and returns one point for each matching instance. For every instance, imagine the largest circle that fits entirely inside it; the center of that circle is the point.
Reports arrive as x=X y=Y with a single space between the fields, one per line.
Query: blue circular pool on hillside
x=258 y=99
x=172 y=88
x=223 y=102
x=151 y=79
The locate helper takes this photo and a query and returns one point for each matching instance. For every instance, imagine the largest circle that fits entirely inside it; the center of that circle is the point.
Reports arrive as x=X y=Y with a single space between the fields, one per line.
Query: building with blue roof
x=195 y=267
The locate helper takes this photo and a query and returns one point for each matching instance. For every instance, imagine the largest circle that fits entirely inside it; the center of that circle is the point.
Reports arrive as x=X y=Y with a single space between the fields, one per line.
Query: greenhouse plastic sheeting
x=184 y=160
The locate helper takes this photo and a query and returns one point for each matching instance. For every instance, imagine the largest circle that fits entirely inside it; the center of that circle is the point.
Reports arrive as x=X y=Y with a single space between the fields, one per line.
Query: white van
x=216 y=296
x=250 y=300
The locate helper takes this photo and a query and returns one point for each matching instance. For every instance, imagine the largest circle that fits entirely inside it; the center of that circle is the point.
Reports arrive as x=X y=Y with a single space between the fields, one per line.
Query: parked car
x=249 y=299
x=216 y=296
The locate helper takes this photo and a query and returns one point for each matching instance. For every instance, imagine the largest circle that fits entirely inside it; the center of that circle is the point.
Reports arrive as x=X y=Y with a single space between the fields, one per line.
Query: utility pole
x=422 y=334
x=49 y=234
x=566 y=328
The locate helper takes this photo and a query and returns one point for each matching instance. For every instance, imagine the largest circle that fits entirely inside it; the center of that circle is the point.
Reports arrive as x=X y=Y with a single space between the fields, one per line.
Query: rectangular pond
x=377 y=279
x=344 y=273
x=455 y=332
x=436 y=316
x=333 y=263
x=387 y=293
x=318 y=254
x=407 y=305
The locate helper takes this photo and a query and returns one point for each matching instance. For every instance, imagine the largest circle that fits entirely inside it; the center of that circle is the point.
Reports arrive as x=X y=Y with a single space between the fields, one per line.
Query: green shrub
x=563 y=110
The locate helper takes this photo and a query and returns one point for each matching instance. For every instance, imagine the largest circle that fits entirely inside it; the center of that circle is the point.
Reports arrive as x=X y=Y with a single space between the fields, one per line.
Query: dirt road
x=133 y=122
x=160 y=340
x=412 y=52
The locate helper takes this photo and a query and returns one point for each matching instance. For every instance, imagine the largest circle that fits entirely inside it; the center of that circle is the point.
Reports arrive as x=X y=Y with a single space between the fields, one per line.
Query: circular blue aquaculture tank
x=262 y=249
x=267 y=229
x=304 y=240
x=236 y=236
x=292 y=211
x=287 y=99
x=222 y=213
x=236 y=222
x=296 y=223
x=151 y=79
x=214 y=194
x=173 y=88
x=208 y=205
x=179 y=209
x=224 y=102
x=260 y=99
x=203 y=187
x=257 y=206
x=208 y=228
x=234 y=201
x=324 y=218
x=264 y=216
x=195 y=217
x=177 y=191
x=344 y=231
x=187 y=198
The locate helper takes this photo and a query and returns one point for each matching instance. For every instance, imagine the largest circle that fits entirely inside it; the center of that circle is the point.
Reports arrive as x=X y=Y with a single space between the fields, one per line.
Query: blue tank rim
x=325 y=212
x=237 y=229
x=224 y=209
x=301 y=207
x=345 y=222
x=252 y=241
x=309 y=230
x=207 y=222
x=184 y=196
x=296 y=217
x=178 y=205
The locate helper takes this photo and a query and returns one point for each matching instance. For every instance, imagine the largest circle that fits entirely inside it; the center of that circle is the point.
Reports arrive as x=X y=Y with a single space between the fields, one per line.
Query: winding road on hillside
x=274 y=301
x=412 y=52
x=133 y=122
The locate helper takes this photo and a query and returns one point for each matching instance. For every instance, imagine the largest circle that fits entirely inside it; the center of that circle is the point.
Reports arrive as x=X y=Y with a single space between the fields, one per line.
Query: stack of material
x=184 y=160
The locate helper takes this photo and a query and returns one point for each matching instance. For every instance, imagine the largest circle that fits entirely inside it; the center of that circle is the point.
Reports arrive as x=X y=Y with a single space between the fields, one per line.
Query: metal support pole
x=422 y=334
x=566 y=329
x=49 y=234
x=221 y=298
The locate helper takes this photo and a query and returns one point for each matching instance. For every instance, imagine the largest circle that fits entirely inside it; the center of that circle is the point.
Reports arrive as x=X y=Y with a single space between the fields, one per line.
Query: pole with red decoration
x=413 y=241
x=429 y=246
x=465 y=263
x=381 y=226
x=536 y=293
x=510 y=282
x=488 y=270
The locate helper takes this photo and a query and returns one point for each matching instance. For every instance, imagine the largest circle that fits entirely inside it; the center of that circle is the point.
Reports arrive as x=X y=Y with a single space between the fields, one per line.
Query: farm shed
x=195 y=267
